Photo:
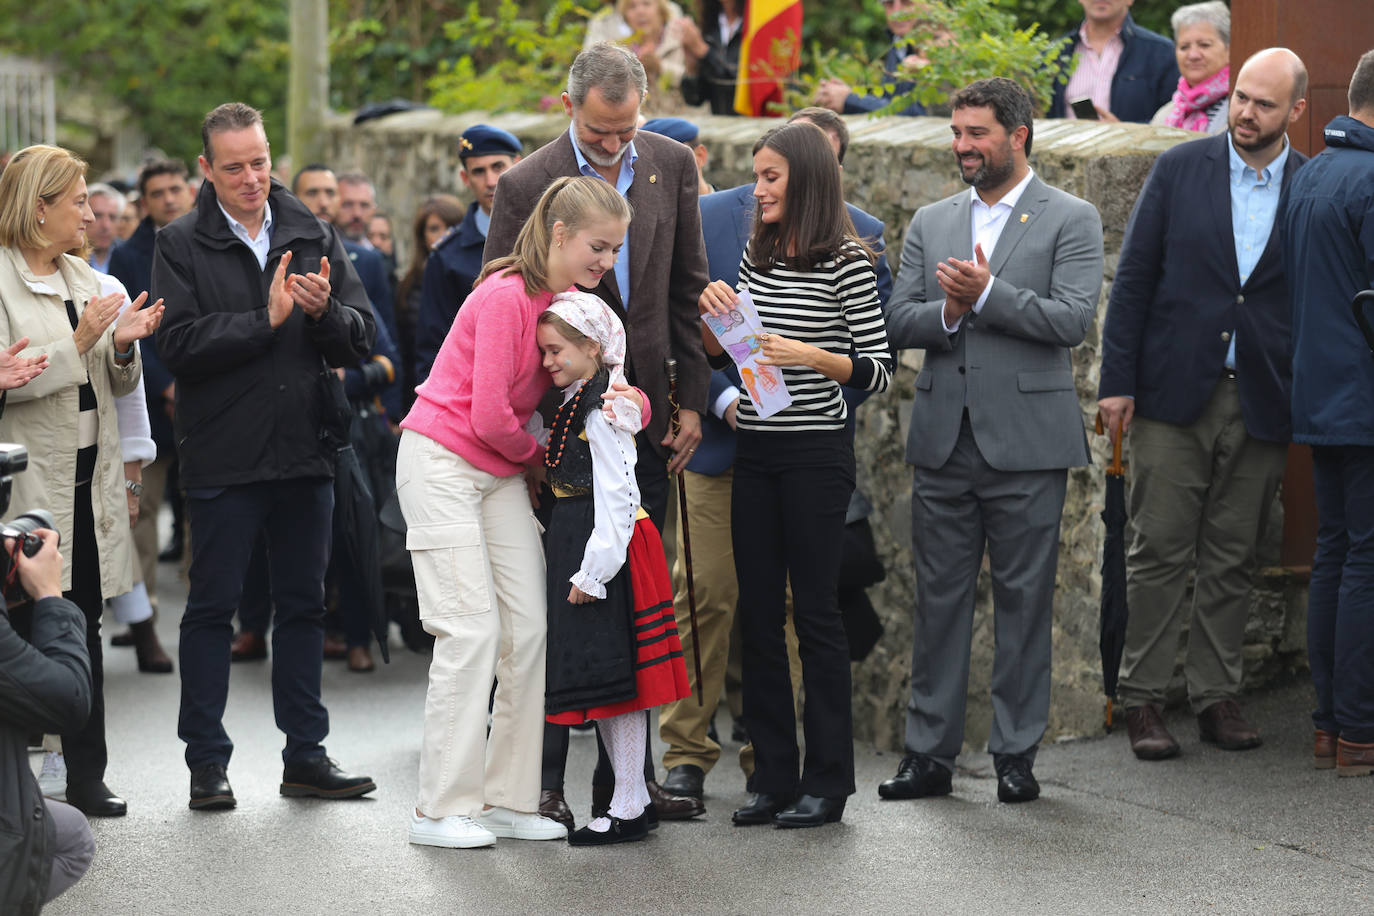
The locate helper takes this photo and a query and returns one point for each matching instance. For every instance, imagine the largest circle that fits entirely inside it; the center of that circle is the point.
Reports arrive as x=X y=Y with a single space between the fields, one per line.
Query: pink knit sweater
x=487 y=379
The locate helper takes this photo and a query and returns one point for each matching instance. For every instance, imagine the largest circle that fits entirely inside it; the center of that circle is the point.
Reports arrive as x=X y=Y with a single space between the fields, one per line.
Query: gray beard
x=600 y=160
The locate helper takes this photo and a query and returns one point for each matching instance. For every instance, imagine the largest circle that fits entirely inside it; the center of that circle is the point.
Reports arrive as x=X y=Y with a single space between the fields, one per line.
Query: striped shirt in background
x=1093 y=78
x=833 y=306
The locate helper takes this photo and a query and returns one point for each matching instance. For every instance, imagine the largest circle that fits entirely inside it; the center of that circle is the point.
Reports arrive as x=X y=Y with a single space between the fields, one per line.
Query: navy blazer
x=724 y=249
x=1177 y=299
x=132 y=264
x=1146 y=75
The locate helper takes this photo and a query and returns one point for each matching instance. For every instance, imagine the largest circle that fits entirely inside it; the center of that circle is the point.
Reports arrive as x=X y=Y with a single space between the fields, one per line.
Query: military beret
x=679 y=129
x=483 y=140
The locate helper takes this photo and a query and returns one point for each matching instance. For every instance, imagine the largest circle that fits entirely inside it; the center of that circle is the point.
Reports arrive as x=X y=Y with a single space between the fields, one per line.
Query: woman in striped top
x=813 y=282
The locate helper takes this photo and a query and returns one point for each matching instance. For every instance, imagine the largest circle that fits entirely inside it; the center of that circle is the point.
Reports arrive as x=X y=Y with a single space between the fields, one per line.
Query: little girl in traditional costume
x=613 y=648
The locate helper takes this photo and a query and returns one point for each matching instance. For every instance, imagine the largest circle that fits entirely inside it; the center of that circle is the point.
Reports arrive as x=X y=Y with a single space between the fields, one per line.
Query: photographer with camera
x=45 y=686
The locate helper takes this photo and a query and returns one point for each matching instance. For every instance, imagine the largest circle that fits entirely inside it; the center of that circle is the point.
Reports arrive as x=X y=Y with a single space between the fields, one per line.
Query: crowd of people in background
x=234 y=342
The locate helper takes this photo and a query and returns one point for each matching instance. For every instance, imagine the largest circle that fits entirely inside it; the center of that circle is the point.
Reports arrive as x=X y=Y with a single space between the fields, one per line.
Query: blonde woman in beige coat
x=66 y=416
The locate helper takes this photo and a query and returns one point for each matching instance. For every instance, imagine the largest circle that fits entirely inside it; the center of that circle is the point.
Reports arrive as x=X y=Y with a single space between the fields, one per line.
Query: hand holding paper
x=734 y=321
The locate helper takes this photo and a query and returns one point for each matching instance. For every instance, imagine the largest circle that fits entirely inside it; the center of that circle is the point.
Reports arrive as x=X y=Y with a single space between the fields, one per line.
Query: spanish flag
x=769 y=54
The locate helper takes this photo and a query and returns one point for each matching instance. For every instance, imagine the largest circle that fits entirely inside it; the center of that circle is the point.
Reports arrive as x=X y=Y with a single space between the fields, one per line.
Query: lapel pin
x=1024 y=217
x=653 y=179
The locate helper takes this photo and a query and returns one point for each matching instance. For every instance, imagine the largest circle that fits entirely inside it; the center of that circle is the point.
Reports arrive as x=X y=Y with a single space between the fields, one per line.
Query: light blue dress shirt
x=1254 y=203
x=622 y=184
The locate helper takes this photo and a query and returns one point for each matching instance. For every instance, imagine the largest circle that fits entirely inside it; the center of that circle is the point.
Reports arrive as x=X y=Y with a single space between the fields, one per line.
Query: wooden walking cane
x=670 y=366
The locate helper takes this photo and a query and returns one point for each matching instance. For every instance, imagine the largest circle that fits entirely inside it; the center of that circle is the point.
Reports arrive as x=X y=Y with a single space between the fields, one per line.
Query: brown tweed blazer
x=667 y=262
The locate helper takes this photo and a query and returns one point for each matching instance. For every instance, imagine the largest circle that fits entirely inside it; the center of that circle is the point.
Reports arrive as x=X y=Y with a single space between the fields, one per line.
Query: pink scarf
x=1191 y=102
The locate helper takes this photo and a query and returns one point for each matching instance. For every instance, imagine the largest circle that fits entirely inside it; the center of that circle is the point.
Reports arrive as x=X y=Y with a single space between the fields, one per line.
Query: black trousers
x=225 y=522
x=651 y=473
x=84 y=751
x=791 y=491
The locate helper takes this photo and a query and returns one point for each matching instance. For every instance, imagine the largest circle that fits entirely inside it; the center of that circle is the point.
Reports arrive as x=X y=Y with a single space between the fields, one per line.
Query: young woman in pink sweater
x=461 y=472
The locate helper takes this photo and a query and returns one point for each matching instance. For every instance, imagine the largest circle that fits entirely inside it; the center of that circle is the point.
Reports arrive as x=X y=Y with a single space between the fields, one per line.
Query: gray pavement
x=1213 y=832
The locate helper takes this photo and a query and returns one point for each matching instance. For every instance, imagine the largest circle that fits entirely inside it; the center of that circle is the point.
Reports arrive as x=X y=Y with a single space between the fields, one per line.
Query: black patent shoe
x=811 y=811
x=210 y=789
x=320 y=777
x=94 y=799
x=917 y=776
x=1015 y=781
x=760 y=809
x=622 y=831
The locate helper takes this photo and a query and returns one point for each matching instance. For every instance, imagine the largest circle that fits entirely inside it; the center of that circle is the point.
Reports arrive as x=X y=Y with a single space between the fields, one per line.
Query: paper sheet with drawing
x=738 y=332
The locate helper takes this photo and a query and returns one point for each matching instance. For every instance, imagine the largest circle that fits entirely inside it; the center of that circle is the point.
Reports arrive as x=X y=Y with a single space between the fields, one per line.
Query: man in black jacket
x=256 y=322
x=45 y=686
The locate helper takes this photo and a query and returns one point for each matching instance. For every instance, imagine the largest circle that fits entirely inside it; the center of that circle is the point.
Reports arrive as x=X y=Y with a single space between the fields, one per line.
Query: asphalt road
x=1208 y=832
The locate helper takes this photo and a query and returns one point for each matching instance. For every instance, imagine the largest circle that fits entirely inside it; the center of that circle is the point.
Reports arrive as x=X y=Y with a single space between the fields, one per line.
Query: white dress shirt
x=260 y=245
x=987 y=223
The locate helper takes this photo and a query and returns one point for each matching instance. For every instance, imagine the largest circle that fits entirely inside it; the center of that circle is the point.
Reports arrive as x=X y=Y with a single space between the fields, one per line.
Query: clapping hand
x=136 y=322
x=963 y=282
x=17 y=371
x=96 y=318
x=311 y=291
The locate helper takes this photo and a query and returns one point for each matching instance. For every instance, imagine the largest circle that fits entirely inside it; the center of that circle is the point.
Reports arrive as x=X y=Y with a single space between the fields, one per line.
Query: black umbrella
x=1112 y=629
x=357 y=550
x=1362 y=299
x=357 y=547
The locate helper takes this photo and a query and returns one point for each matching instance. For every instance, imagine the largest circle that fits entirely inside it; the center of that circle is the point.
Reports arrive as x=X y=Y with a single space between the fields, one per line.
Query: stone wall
x=893 y=167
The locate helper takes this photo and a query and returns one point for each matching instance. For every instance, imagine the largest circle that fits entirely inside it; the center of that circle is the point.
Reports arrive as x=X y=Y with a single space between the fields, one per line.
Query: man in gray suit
x=994 y=428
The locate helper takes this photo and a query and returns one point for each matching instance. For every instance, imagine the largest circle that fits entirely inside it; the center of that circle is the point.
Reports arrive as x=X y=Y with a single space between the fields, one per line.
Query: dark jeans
x=85 y=751
x=787 y=508
x=255 y=604
x=1340 y=598
x=295 y=517
x=651 y=473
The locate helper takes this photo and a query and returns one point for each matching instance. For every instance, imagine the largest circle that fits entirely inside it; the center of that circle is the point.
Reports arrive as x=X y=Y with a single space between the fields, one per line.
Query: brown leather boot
x=1354 y=759
x=151 y=657
x=1223 y=725
x=1150 y=740
x=248 y=646
x=1324 y=750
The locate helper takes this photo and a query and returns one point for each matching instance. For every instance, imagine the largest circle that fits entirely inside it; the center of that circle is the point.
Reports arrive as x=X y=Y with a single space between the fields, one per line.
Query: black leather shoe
x=320 y=777
x=685 y=780
x=671 y=807
x=636 y=828
x=1015 y=781
x=601 y=803
x=210 y=789
x=760 y=809
x=94 y=799
x=810 y=811
x=918 y=776
x=553 y=806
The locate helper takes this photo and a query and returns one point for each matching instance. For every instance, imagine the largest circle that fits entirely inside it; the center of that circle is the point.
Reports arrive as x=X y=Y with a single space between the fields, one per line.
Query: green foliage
x=167 y=62
x=527 y=58
x=962 y=40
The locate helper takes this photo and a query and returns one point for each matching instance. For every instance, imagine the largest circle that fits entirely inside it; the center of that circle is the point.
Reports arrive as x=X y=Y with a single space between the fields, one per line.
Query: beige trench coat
x=42 y=415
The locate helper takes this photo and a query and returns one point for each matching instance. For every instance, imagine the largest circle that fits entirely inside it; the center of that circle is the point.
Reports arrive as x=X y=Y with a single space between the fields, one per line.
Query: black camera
x=13 y=459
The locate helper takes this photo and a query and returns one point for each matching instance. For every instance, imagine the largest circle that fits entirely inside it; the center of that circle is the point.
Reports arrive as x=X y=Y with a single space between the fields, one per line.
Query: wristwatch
x=134 y=487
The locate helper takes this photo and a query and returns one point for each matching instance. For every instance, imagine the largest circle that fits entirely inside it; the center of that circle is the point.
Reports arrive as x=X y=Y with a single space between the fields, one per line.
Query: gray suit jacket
x=1010 y=364
x=667 y=262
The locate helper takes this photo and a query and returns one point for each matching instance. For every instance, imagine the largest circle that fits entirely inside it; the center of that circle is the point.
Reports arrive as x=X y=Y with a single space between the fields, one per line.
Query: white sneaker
x=52 y=779
x=455 y=832
x=516 y=825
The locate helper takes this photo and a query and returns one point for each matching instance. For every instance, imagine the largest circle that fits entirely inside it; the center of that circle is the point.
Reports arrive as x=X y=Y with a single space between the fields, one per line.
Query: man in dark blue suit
x=901 y=62
x=163 y=188
x=485 y=152
x=727 y=220
x=1195 y=366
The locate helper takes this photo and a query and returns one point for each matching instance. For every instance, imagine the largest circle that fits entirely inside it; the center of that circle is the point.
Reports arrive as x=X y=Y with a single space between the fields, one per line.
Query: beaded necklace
x=562 y=424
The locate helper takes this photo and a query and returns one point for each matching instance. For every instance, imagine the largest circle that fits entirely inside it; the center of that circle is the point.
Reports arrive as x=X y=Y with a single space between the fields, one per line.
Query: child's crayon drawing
x=738 y=332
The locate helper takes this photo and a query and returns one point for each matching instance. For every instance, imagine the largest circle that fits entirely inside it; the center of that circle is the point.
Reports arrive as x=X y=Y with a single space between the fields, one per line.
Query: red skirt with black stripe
x=660 y=673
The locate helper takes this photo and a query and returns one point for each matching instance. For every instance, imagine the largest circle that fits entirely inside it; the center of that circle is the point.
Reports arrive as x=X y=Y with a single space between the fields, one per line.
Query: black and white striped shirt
x=833 y=306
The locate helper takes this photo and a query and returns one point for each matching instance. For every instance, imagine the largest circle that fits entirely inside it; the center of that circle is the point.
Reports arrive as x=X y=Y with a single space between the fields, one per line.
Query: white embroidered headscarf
x=594 y=318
